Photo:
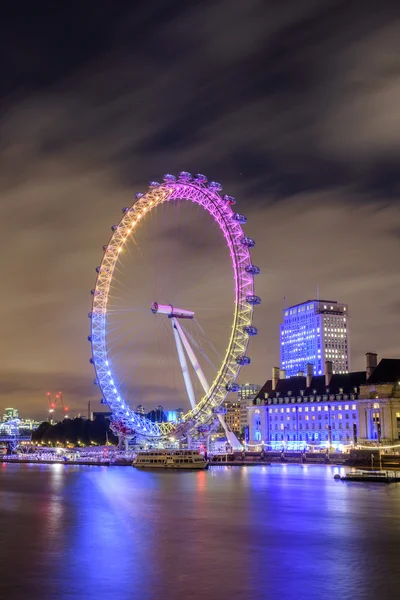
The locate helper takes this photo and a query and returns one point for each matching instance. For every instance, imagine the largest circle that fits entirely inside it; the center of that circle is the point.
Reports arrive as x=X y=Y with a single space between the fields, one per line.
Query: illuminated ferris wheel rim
x=207 y=195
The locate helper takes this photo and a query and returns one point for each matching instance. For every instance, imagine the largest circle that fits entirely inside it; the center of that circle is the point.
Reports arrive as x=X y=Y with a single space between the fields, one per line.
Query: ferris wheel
x=205 y=409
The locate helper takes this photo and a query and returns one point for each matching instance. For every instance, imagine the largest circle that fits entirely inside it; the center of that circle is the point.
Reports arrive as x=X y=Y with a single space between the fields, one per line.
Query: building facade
x=333 y=410
x=232 y=416
x=312 y=333
x=246 y=394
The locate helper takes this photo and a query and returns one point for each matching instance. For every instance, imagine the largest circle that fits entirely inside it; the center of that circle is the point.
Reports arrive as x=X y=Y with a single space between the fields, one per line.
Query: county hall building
x=329 y=410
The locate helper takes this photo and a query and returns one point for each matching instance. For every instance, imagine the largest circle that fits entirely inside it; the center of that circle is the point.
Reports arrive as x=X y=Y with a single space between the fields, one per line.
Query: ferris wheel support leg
x=192 y=357
x=183 y=363
x=230 y=436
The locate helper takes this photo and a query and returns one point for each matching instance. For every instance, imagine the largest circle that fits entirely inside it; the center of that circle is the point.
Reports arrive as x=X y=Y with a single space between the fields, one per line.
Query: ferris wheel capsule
x=254 y=300
x=243 y=360
x=251 y=331
x=252 y=269
x=138 y=195
x=153 y=184
x=168 y=178
x=232 y=387
x=246 y=241
x=200 y=178
x=185 y=176
x=239 y=218
x=229 y=200
x=215 y=185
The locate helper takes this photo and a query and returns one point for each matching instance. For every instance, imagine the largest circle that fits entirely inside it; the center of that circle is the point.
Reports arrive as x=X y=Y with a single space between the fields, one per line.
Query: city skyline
x=315 y=173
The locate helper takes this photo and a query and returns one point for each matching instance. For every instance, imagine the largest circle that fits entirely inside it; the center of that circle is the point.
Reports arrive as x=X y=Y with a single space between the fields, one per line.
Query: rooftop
x=295 y=386
x=313 y=300
x=388 y=371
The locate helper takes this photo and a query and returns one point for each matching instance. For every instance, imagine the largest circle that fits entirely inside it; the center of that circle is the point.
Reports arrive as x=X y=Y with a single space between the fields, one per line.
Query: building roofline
x=313 y=300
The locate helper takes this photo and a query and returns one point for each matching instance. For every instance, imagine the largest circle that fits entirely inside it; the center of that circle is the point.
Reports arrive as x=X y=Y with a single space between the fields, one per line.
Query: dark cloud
x=293 y=106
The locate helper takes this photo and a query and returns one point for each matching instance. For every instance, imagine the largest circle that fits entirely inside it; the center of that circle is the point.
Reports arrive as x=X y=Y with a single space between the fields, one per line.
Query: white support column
x=183 y=363
x=230 y=436
x=192 y=358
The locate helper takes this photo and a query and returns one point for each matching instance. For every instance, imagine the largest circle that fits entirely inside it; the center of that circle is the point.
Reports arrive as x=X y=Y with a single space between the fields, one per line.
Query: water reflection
x=238 y=533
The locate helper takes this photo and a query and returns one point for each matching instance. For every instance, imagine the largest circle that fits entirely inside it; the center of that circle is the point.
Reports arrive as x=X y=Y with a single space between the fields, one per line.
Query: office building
x=312 y=333
x=232 y=416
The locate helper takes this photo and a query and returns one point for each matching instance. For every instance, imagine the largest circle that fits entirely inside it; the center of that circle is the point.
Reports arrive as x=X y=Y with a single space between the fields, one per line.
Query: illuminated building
x=232 y=416
x=10 y=413
x=246 y=394
x=248 y=390
x=314 y=332
x=332 y=410
x=140 y=409
x=174 y=415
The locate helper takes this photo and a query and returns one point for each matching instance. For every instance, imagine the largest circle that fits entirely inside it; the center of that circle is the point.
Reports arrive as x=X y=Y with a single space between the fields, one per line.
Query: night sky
x=293 y=106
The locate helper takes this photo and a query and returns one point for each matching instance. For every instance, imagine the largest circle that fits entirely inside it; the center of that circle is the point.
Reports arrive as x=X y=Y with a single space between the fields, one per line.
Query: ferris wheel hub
x=171 y=311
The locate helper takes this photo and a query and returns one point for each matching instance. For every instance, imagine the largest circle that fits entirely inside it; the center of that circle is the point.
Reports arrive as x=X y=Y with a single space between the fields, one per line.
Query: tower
x=314 y=332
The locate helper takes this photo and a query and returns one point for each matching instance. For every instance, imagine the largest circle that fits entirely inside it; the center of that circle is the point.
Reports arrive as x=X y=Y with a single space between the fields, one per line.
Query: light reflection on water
x=239 y=533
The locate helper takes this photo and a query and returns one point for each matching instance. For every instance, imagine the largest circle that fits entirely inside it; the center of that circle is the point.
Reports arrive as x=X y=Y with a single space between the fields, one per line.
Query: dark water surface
x=238 y=533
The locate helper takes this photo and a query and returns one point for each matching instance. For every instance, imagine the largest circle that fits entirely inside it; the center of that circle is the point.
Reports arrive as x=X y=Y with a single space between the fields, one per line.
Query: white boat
x=170 y=459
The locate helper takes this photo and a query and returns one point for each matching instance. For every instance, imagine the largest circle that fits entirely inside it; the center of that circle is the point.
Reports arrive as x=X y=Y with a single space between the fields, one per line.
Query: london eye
x=147 y=310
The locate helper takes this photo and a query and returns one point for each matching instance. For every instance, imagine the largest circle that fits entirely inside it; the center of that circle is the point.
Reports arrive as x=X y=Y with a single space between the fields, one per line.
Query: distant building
x=330 y=410
x=246 y=394
x=232 y=416
x=174 y=415
x=10 y=413
x=157 y=415
x=247 y=390
x=140 y=409
x=312 y=333
x=101 y=415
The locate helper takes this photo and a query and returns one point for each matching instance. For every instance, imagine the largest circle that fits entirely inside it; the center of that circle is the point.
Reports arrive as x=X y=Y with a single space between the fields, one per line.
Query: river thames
x=238 y=533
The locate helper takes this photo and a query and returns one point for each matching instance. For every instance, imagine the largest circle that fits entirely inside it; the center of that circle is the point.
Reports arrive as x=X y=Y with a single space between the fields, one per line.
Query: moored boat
x=170 y=459
x=371 y=476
